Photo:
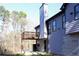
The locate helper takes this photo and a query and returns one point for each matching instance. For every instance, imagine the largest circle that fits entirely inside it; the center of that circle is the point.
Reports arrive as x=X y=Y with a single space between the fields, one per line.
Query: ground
x=35 y=54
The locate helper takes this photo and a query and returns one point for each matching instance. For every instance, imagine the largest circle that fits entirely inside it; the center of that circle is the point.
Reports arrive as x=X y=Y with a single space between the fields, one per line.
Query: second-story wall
x=72 y=18
x=55 y=37
x=70 y=12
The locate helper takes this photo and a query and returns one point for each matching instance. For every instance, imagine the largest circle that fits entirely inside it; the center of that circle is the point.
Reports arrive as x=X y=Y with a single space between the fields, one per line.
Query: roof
x=37 y=26
x=43 y=4
x=59 y=13
x=63 y=6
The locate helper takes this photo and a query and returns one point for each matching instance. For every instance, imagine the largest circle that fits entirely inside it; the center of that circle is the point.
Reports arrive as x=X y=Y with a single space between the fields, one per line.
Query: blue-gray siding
x=56 y=37
x=60 y=41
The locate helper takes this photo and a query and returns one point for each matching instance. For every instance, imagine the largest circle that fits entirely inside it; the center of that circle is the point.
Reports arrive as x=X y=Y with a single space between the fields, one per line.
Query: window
x=54 y=25
x=63 y=21
x=49 y=28
x=38 y=34
x=76 y=12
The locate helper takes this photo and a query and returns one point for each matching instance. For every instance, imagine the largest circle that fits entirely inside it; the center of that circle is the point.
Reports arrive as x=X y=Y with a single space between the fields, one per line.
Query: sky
x=32 y=11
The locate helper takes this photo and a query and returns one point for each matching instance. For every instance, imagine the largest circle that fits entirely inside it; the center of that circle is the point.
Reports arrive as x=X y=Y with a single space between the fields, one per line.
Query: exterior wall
x=39 y=41
x=28 y=45
x=41 y=45
x=28 y=40
x=43 y=17
x=71 y=42
x=56 y=38
x=61 y=43
x=37 y=31
x=72 y=24
x=69 y=10
x=42 y=29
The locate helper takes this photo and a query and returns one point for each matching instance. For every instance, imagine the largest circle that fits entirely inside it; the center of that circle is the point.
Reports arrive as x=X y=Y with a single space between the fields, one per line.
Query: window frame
x=51 y=26
x=49 y=29
x=63 y=22
x=75 y=12
x=54 y=25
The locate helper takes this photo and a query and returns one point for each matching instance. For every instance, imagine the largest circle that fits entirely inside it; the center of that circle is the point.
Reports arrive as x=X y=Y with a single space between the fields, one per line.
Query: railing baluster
x=72 y=27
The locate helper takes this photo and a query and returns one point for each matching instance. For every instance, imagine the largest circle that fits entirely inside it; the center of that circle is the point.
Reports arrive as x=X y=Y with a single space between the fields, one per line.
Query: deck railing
x=72 y=27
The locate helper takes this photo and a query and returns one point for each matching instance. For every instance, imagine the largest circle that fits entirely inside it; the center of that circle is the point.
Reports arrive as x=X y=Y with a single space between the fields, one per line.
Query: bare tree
x=19 y=22
x=4 y=14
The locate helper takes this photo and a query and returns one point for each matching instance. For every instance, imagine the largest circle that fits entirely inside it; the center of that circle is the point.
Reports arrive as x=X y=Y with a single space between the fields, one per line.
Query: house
x=37 y=28
x=63 y=32
x=28 y=41
x=41 y=28
x=71 y=38
x=55 y=33
x=41 y=43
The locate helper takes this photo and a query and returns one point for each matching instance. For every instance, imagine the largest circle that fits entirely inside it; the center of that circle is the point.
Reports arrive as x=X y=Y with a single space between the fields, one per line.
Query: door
x=34 y=47
x=44 y=45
